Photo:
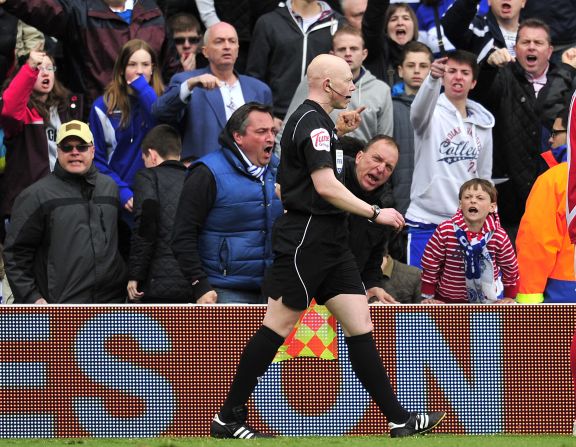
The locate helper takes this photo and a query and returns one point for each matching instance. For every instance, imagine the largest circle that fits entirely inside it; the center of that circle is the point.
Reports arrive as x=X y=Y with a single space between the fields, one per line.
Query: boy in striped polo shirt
x=470 y=258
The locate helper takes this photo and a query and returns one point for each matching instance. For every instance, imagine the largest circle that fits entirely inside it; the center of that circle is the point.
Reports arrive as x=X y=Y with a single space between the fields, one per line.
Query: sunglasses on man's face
x=192 y=40
x=556 y=132
x=79 y=147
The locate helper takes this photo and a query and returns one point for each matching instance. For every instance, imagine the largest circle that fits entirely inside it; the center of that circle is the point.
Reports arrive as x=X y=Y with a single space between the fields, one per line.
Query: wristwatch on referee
x=376 y=210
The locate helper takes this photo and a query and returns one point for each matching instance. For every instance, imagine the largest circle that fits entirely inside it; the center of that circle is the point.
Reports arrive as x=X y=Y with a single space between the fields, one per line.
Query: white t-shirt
x=510 y=39
x=232 y=97
x=309 y=21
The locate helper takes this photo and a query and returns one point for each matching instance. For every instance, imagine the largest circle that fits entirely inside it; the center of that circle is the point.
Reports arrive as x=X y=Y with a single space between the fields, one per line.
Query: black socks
x=369 y=369
x=364 y=357
x=256 y=357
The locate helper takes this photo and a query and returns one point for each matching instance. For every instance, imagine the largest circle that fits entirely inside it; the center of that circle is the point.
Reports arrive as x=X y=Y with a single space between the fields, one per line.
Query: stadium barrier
x=140 y=371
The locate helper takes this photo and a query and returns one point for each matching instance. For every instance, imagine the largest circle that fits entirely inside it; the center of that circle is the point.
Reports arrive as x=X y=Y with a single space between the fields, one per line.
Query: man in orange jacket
x=545 y=253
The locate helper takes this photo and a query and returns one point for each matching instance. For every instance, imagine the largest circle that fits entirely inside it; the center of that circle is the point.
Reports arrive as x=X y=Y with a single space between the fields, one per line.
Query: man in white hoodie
x=452 y=144
x=371 y=93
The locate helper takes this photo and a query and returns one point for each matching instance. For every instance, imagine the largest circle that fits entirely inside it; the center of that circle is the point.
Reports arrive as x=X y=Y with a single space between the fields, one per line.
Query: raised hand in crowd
x=36 y=58
x=569 y=57
x=500 y=58
x=438 y=68
x=206 y=80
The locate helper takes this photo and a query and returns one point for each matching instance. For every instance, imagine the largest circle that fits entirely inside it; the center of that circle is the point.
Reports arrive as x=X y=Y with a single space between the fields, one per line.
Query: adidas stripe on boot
x=418 y=423
x=220 y=429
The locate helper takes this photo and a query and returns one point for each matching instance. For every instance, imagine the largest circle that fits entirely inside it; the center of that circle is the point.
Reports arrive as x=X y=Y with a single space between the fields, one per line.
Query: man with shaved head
x=373 y=93
x=312 y=258
x=200 y=102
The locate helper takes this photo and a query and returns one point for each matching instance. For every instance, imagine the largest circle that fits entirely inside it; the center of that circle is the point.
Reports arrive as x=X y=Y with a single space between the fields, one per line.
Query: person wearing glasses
x=32 y=107
x=62 y=242
x=187 y=36
x=91 y=34
x=545 y=253
x=199 y=102
x=222 y=234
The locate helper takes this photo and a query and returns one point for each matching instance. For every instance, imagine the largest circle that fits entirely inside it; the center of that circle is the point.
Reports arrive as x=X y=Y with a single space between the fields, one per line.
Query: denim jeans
x=233 y=296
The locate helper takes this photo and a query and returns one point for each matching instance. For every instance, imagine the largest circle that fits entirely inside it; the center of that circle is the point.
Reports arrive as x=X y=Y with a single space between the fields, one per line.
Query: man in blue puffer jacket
x=222 y=230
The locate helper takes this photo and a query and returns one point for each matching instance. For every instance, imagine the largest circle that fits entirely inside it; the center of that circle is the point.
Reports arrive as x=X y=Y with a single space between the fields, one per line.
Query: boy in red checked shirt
x=470 y=258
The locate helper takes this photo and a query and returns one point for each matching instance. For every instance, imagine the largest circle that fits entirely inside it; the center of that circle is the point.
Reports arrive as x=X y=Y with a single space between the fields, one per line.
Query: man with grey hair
x=199 y=102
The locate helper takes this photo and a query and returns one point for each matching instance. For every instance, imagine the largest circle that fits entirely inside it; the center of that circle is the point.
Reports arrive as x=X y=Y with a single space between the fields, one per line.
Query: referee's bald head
x=329 y=81
x=326 y=66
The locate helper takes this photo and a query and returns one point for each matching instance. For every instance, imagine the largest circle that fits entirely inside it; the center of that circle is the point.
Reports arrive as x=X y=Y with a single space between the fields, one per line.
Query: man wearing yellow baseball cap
x=62 y=242
x=75 y=147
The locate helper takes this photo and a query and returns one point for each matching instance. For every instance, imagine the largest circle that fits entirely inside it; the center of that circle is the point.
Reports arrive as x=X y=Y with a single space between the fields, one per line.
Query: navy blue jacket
x=222 y=230
x=235 y=243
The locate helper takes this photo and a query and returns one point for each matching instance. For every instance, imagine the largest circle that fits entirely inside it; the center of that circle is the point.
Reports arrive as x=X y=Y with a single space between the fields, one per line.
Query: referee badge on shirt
x=320 y=139
x=339 y=160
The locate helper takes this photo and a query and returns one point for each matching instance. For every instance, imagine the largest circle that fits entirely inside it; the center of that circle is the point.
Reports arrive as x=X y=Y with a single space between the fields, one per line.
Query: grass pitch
x=345 y=441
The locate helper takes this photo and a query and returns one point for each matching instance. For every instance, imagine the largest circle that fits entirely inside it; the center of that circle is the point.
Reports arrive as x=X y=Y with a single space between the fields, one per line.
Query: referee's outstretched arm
x=334 y=192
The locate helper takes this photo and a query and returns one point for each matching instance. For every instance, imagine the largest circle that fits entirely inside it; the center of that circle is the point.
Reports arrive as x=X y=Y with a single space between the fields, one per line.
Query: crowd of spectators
x=463 y=89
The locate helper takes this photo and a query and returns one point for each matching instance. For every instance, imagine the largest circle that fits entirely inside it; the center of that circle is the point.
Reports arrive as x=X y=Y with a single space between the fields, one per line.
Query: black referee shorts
x=312 y=260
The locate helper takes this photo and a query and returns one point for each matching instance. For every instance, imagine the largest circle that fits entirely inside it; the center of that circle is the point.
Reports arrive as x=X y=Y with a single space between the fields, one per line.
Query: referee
x=312 y=259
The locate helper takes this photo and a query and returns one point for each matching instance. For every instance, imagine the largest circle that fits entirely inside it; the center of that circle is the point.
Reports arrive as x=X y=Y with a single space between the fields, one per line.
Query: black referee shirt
x=309 y=142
